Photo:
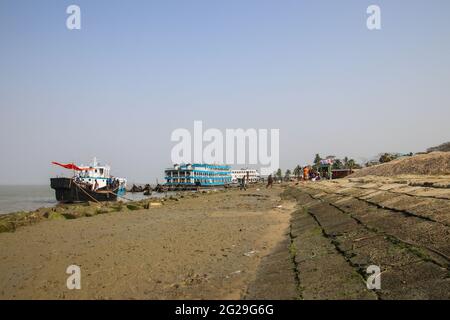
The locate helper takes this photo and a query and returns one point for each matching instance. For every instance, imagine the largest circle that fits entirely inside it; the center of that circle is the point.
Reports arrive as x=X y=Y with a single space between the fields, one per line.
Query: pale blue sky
x=137 y=70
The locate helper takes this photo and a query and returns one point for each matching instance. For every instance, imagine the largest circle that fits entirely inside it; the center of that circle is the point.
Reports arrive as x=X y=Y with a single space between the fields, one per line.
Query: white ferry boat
x=251 y=175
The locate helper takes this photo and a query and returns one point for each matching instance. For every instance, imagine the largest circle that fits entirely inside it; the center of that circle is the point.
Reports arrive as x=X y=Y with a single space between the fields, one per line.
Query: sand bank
x=199 y=246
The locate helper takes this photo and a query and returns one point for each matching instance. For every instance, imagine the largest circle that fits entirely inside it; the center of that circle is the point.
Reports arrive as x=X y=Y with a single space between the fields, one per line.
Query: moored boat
x=197 y=175
x=88 y=183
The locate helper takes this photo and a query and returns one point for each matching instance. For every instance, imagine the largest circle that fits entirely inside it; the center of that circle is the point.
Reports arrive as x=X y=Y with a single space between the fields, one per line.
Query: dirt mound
x=435 y=163
x=443 y=147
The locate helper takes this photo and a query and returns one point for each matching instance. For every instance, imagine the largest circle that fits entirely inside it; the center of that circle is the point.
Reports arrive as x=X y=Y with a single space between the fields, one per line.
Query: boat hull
x=189 y=187
x=67 y=191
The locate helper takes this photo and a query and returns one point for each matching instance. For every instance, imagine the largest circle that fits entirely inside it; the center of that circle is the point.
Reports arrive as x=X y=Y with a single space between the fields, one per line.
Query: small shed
x=326 y=171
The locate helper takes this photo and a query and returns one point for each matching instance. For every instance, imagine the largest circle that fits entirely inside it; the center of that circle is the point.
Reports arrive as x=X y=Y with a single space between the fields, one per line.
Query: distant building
x=341 y=173
x=252 y=175
x=326 y=171
x=196 y=174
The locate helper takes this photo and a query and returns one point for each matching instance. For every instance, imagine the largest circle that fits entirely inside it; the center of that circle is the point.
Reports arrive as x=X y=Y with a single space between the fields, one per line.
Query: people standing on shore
x=243 y=186
x=269 y=181
x=306 y=173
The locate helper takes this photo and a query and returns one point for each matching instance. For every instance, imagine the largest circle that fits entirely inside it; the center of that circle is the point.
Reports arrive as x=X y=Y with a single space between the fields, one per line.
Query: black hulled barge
x=89 y=183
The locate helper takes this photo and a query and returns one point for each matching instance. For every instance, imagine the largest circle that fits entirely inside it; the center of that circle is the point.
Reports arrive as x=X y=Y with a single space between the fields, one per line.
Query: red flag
x=70 y=166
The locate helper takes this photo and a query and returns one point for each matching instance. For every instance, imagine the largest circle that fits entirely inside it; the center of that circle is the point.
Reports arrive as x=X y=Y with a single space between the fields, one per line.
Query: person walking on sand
x=243 y=187
x=269 y=181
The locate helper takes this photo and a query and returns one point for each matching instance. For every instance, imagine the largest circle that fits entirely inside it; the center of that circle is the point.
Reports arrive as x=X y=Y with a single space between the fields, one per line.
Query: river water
x=27 y=198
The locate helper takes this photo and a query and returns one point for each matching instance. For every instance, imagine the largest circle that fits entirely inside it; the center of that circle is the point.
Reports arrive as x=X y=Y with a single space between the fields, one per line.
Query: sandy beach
x=256 y=154
x=299 y=240
x=201 y=246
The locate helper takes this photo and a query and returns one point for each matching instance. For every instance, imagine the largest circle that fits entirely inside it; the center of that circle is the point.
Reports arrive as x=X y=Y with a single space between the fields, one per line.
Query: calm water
x=26 y=198
x=18 y=198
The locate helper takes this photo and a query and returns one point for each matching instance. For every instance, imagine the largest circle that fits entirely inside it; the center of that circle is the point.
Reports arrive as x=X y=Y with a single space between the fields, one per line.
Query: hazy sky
x=137 y=70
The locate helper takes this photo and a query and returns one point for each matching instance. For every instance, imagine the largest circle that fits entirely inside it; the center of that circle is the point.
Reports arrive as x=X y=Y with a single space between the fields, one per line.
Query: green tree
x=287 y=175
x=317 y=159
x=337 y=164
x=279 y=174
x=346 y=162
x=351 y=164
x=298 y=171
x=387 y=157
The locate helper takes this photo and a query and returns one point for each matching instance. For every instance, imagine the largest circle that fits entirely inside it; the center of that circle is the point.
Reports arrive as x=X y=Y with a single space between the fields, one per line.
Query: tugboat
x=89 y=183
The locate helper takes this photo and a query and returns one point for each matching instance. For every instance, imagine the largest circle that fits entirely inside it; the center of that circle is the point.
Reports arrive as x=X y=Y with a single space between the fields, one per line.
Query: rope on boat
x=96 y=199
x=120 y=196
x=85 y=191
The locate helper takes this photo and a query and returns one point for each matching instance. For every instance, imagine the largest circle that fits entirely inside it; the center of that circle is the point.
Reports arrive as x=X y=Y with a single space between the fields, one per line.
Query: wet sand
x=208 y=246
x=306 y=240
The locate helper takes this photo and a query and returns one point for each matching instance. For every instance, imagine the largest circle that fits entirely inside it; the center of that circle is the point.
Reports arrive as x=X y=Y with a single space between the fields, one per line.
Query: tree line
x=344 y=163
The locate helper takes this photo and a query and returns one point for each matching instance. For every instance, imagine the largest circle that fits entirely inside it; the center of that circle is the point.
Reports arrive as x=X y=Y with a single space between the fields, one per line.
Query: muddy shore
x=296 y=241
x=198 y=246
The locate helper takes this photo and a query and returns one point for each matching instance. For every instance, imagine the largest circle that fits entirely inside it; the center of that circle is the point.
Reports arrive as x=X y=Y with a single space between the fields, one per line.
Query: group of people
x=86 y=185
x=308 y=174
x=111 y=184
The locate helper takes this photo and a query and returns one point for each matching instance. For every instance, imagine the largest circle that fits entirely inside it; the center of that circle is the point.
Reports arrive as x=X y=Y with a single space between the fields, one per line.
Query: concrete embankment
x=341 y=227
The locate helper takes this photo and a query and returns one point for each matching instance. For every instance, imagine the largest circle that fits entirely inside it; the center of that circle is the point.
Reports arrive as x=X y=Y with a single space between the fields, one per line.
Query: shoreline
x=9 y=221
x=298 y=240
x=201 y=246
